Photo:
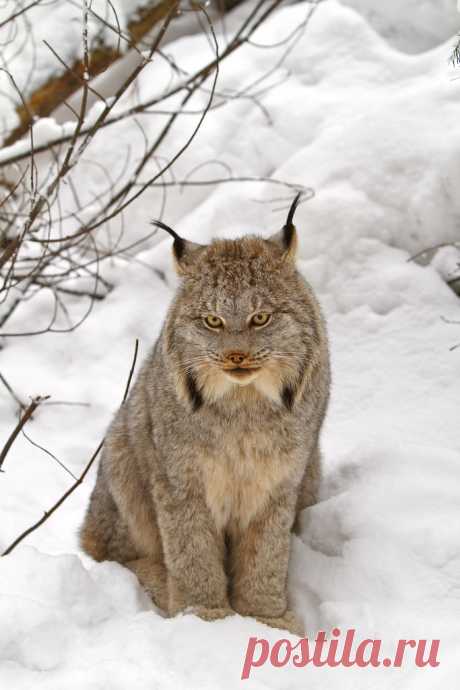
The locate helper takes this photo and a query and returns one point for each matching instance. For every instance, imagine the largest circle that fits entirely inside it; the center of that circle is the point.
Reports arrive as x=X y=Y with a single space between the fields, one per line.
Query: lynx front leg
x=194 y=554
x=259 y=563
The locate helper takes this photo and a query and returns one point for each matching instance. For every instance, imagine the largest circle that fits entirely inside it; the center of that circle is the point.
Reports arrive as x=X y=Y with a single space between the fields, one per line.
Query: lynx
x=207 y=465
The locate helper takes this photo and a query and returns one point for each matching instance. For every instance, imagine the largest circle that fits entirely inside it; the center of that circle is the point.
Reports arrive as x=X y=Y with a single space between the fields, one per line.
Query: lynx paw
x=288 y=621
x=209 y=614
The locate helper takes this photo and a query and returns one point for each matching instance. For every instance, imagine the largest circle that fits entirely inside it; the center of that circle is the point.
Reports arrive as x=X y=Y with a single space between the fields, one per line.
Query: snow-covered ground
x=412 y=25
x=376 y=133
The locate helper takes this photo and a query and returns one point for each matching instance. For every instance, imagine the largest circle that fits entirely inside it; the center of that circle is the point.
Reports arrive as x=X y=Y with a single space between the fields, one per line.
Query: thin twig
x=48 y=452
x=15 y=396
x=23 y=420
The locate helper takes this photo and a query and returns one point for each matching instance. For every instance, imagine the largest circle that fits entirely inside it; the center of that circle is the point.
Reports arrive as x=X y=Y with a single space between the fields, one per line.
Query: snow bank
x=412 y=26
x=376 y=133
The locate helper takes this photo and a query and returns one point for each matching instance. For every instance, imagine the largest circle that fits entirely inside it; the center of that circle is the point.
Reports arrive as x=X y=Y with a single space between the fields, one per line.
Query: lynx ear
x=182 y=249
x=286 y=238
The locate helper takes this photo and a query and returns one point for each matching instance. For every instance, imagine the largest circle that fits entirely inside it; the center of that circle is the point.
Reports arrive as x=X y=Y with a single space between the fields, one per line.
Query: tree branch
x=22 y=422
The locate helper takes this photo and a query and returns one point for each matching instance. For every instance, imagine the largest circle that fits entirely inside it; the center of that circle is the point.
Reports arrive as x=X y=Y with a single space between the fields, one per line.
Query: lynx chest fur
x=241 y=478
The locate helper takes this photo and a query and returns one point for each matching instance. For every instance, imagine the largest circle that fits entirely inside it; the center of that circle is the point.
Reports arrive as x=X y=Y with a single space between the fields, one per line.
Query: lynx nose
x=236 y=357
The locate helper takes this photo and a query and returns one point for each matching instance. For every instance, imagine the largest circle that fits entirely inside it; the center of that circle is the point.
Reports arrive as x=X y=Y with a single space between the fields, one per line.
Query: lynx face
x=243 y=319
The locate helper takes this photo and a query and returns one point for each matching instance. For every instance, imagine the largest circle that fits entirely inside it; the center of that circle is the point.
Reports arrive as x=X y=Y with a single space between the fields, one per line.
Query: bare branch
x=23 y=420
x=9 y=388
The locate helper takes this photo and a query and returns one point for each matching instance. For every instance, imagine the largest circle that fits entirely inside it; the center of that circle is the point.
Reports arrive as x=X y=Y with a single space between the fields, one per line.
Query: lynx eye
x=262 y=318
x=214 y=322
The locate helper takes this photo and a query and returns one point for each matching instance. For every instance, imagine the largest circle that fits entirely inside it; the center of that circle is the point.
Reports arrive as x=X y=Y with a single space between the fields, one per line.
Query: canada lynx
x=208 y=463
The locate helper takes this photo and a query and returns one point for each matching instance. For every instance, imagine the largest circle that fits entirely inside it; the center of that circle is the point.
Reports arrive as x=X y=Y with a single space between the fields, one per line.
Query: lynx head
x=244 y=323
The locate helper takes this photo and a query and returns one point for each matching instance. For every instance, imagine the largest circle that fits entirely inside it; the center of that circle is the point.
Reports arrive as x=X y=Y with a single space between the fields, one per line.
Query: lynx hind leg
x=103 y=535
x=309 y=486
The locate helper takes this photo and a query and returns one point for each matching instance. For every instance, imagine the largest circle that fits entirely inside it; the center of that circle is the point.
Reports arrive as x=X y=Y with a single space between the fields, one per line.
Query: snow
x=413 y=25
x=376 y=133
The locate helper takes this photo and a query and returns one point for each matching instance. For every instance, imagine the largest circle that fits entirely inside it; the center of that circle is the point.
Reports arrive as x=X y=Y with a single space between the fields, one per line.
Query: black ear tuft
x=179 y=243
x=289 y=229
x=286 y=238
